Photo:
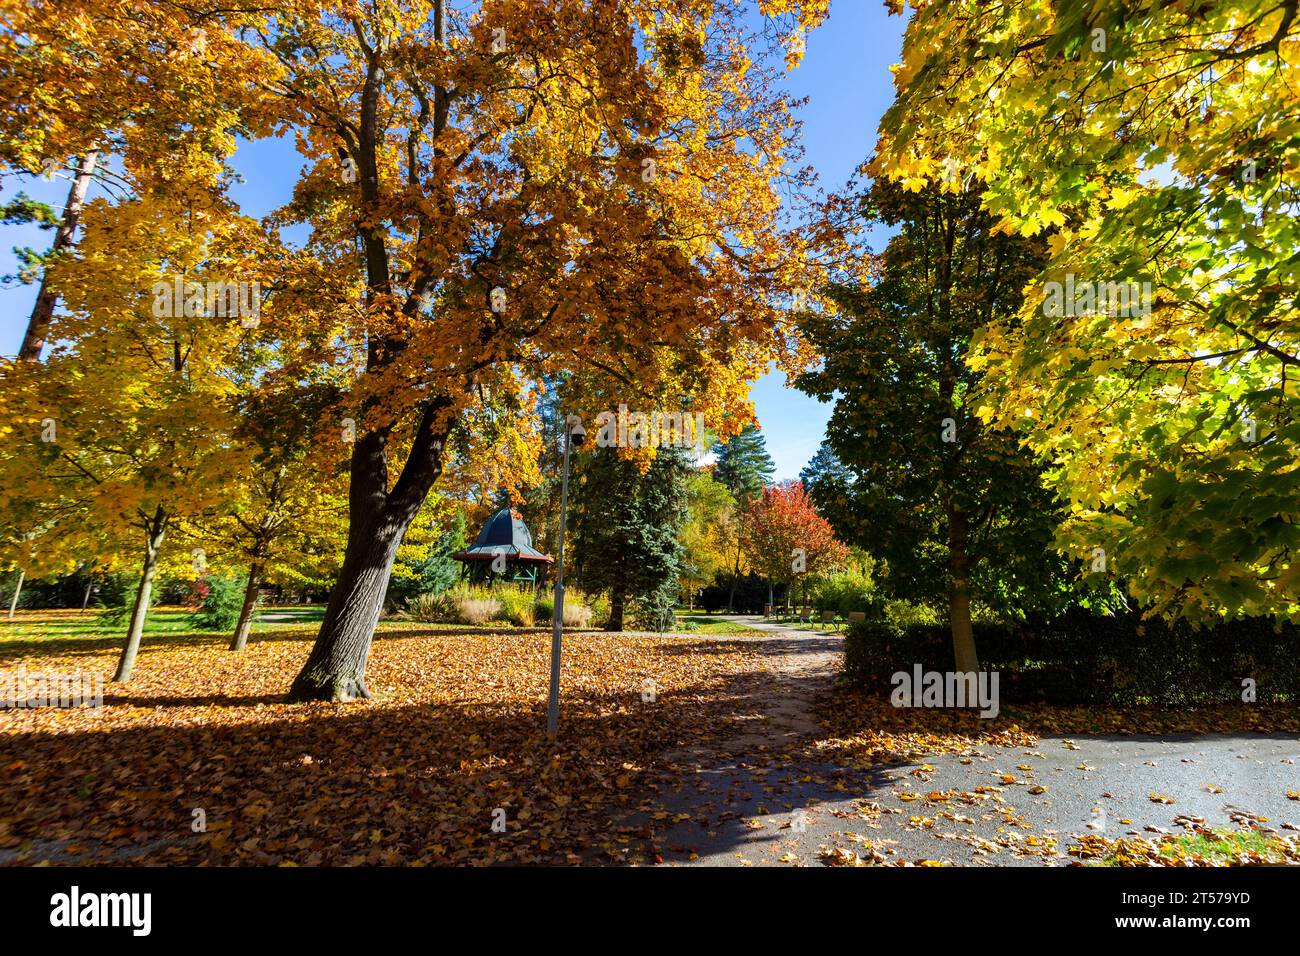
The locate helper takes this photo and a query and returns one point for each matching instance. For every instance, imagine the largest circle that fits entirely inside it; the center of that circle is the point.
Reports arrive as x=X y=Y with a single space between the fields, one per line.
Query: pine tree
x=830 y=485
x=628 y=533
x=744 y=466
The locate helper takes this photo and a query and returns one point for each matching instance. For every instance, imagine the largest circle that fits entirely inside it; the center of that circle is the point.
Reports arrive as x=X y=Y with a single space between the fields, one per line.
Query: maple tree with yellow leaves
x=1159 y=145
x=497 y=193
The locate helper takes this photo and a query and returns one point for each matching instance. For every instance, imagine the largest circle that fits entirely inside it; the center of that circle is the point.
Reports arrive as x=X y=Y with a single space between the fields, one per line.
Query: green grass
x=163 y=620
x=1220 y=849
x=70 y=631
x=279 y=618
x=704 y=624
x=40 y=632
x=54 y=624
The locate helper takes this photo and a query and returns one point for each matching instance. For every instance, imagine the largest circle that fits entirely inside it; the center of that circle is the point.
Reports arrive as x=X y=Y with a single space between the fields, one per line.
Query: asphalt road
x=747 y=805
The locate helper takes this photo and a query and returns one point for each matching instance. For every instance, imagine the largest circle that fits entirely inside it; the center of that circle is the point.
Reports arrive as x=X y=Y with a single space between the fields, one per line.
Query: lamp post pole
x=573 y=433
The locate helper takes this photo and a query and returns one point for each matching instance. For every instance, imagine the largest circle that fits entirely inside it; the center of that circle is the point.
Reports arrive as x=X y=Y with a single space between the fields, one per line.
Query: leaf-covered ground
x=416 y=776
x=727 y=749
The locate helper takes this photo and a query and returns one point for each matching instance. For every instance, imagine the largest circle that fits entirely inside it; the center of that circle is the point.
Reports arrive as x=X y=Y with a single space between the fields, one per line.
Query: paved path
x=760 y=799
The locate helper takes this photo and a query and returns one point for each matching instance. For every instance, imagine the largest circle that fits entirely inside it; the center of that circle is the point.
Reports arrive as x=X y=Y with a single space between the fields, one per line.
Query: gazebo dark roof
x=505 y=533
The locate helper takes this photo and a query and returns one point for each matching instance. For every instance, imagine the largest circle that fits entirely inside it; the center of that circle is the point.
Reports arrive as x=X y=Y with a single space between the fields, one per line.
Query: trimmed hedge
x=1081 y=659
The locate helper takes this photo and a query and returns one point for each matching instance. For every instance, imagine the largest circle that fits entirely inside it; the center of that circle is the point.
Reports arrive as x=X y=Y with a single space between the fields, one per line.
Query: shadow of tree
x=367 y=783
x=385 y=782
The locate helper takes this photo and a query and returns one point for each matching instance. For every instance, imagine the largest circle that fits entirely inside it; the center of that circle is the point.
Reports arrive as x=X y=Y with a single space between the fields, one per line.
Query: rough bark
x=245 y=624
x=38 y=326
x=963 y=639
x=377 y=519
x=336 y=669
x=156 y=530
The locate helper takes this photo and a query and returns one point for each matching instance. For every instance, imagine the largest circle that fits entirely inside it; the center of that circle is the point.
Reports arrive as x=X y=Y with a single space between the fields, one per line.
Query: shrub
x=222 y=600
x=474 y=609
x=517 y=605
x=462 y=604
x=598 y=604
x=7 y=591
x=845 y=592
x=117 y=597
x=1082 y=659
x=576 y=614
x=178 y=589
x=907 y=614
x=431 y=608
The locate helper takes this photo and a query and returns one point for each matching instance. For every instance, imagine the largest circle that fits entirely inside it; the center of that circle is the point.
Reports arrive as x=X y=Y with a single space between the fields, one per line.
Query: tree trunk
x=18 y=589
x=377 y=516
x=245 y=624
x=153 y=545
x=377 y=519
x=616 y=601
x=38 y=326
x=85 y=599
x=336 y=669
x=735 y=576
x=963 y=639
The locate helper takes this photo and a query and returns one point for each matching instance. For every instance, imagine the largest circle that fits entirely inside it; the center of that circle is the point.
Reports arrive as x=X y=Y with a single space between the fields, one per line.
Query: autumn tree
x=540 y=505
x=785 y=539
x=519 y=190
x=956 y=509
x=282 y=515
x=496 y=193
x=153 y=87
x=131 y=417
x=708 y=533
x=1154 y=358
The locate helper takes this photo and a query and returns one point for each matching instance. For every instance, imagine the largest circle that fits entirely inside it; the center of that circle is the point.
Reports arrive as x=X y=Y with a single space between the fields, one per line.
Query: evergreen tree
x=428 y=568
x=439 y=570
x=744 y=466
x=541 y=503
x=627 y=534
x=829 y=483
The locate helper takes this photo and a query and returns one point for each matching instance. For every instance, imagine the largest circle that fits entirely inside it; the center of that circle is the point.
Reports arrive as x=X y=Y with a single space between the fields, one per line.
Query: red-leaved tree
x=785 y=539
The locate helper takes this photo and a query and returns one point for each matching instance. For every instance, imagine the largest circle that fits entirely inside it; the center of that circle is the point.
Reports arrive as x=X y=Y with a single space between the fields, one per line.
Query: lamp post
x=574 y=435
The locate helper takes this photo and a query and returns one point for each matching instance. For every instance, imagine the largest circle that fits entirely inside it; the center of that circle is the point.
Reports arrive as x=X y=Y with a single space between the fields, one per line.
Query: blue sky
x=845 y=75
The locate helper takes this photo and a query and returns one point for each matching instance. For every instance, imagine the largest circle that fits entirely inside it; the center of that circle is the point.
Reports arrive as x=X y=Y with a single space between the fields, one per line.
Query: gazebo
x=503 y=552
